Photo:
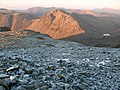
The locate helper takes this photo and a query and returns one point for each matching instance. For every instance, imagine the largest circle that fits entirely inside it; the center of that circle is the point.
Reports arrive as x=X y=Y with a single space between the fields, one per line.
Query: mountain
x=83 y=26
x=88 y=12
x=57 y=24
x=16 y=20
x=39 y=11
x=108 y=10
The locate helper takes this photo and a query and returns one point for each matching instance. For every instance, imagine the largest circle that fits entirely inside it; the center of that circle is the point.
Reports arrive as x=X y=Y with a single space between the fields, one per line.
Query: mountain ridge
x=108 y=10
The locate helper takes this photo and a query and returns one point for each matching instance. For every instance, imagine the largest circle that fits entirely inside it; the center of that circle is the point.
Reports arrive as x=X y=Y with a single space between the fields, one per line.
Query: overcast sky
x=79 y=4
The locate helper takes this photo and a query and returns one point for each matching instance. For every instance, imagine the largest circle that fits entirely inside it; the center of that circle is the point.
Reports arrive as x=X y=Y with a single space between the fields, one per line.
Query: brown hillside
x=21 y=21
x=5 y=20
x=16 y=21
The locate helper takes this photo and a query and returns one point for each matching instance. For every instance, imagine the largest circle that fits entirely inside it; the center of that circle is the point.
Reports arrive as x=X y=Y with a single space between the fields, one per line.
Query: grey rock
x=44 y=78
x=3 y=84
x=31 y=82
x=61 y=77
x=77 y=87
x=21 y=71
x=18 y=88
x=14 y=79
x=2 y=88
x=12 y=68
x=2 y=76
x=44 y=87
x=23 y=65
x=41 y=70
x=7 y=81
x=67 y=86
x=26 y=76
x=53 y=86
x=37 y=89
x=29 y=69
x=51 y=67
x=23 y=81
x=1 y=54
x=37 y=64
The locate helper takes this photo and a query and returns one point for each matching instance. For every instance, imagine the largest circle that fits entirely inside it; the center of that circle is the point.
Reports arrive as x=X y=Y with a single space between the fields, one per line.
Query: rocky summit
x=32 y=61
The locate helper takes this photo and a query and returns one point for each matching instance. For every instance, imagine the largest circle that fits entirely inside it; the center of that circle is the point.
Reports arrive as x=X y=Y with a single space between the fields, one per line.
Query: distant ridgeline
x=3 y=29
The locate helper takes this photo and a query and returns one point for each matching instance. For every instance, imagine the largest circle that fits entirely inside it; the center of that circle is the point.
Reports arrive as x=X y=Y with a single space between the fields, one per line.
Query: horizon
x=78 y=4
x=55 y=7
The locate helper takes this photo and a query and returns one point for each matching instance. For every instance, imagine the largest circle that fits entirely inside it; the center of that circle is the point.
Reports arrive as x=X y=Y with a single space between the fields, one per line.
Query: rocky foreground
x=31 y=61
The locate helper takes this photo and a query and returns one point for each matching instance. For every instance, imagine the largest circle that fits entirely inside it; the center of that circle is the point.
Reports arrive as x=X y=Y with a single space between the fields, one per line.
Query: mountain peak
x=57 y=24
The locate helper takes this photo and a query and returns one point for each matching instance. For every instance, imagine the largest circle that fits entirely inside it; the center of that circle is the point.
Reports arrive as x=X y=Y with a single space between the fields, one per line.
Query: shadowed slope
x=95 y=28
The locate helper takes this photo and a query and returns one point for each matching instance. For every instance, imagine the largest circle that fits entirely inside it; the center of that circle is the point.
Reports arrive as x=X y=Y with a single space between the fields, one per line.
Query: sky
x=73 y=4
